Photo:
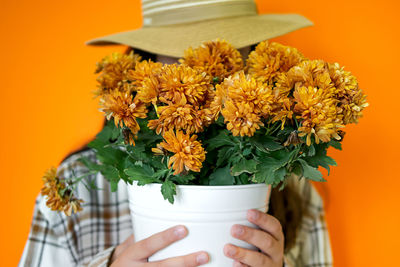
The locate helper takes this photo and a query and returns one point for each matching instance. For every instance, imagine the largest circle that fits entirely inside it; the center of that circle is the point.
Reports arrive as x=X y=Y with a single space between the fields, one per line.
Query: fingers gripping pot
x=208 y=212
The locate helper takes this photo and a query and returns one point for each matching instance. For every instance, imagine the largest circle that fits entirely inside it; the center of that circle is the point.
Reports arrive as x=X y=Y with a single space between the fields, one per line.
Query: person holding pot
x=292 y=233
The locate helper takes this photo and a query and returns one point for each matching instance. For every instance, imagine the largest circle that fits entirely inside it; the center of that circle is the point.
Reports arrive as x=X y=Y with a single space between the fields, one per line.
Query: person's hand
x=269 y=239
x=131 y=254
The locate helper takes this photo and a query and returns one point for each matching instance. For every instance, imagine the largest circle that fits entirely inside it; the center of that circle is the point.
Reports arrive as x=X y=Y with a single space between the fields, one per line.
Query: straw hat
x=171 y=26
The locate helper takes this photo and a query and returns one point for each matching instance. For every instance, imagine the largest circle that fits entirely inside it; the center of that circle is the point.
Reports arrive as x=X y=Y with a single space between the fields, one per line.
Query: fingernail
x=180 y=231
x=230 y=250
x=253 y=215
x=202 y=258
x=237 y=264
x=238 y=230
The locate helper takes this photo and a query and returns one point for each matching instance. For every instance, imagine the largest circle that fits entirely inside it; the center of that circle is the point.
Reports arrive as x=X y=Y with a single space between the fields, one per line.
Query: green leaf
x=311 y=151
x=265 y=143
x=143 y=174
x=280 y=174
x=321 y=159
x=160 y=174
x=223 y=155
x=168 y=190
x=335 y=144
x=247 y=151
x=109 y=131
x=221 y=176
x=265 y=170
x=244 y=165
x=222 y=139
x=92 y=166
x=111 y=174
x=111 y=156
x=182 y=179
x=242 y=179
x=296 y=168
x=310 y=172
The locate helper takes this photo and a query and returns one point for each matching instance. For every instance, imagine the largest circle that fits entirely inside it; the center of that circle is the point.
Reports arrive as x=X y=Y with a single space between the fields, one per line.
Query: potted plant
x=203 y=141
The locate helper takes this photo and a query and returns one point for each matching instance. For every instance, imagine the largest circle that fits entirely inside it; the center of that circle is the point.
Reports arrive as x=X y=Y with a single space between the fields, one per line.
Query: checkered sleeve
x=86 y=238
x=313 y=247
x=46 y=247
x=43 y=247
x=316 y=246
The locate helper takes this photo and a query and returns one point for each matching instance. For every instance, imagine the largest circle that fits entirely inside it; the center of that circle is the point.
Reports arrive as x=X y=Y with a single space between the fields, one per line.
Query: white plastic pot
x=208 y=212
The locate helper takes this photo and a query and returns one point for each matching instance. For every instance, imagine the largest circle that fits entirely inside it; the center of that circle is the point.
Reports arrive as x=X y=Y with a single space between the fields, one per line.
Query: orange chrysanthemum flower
x=59 y=197
x=241 y=118
x=179 y=116
x=188 y=152
x=184 y=100
x=178 y=81
x=282 y=109
x=114 y=71
x=318 y=113
x=218 y=59
x=149 y=90
x=245 y=101
x=309 y=104
x=143 y=70
x=352 y=100
x=270 y=59
x=124 y=109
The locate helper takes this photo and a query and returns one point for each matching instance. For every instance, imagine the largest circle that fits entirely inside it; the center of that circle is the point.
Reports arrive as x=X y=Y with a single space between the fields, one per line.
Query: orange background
x=47 y=109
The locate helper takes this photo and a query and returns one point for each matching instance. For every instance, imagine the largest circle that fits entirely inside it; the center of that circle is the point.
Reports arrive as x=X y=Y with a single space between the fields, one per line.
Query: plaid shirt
x=89 y=237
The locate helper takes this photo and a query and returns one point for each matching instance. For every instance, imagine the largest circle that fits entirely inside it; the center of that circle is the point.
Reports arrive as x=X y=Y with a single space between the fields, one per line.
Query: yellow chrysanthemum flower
x=218 y=59
x=58 y=198
x=352 y=100
x=124 y=109
x=188 y=152
x=270 y=59
x=114 y=71
x=244 y=102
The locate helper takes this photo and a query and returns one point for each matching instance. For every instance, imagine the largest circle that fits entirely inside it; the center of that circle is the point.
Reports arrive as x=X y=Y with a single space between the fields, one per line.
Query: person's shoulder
x=72 y=165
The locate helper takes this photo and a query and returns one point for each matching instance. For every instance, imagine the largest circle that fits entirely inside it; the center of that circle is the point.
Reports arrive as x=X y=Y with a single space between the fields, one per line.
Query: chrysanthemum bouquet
x=213 y=120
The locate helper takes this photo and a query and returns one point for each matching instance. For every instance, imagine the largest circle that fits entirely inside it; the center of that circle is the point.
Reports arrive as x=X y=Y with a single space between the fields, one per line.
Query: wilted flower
x=293 y=139
x=218 y=59
x=188 y=152
x=128 y=136
x=59 y=196
x=270 y=59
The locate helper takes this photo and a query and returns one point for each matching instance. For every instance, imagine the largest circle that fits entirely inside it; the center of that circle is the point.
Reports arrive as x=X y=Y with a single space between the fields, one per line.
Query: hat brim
x=173 y=40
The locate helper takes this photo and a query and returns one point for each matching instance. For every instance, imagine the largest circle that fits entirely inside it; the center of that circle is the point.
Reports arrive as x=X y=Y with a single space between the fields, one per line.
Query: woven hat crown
x=167 y=12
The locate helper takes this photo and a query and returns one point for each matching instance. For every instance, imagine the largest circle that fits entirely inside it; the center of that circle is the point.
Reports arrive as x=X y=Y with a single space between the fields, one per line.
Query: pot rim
x=212 y=187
